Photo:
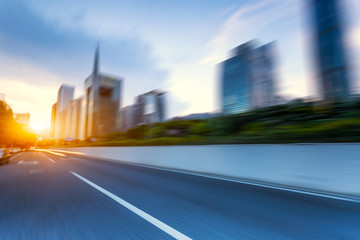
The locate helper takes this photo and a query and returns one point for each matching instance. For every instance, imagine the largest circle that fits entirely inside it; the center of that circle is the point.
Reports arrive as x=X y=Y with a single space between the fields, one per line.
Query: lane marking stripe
x=52 y=160
x=18 y=155
x=31 y=162
x=48 y=151
x=166 y=228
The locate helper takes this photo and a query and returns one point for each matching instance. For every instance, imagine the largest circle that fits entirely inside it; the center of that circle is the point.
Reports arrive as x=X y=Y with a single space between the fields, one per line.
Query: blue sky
x=170 y=45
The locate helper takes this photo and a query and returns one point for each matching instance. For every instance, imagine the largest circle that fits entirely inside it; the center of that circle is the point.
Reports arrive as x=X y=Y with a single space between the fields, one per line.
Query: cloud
x=69 y=52
x=42 y=53
x=265 y=21
x=255 y=19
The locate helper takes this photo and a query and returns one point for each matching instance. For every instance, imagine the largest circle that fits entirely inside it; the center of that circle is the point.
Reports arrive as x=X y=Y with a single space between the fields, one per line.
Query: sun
x=37 y=126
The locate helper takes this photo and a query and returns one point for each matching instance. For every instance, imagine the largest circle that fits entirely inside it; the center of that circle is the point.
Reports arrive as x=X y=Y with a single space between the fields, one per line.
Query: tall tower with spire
x=101 y=101
x=96 y=60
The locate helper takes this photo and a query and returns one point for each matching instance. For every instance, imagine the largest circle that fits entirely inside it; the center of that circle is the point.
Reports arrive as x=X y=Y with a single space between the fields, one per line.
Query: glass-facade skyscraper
x=332 y=67
x=247 y=79
x=237 y=82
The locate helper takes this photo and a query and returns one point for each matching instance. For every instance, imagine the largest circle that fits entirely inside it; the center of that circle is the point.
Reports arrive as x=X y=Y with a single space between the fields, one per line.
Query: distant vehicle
x=5 y=158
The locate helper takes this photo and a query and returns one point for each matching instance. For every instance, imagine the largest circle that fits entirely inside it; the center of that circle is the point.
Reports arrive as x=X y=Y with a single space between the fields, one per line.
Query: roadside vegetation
x=297 y=122
x=13 y=134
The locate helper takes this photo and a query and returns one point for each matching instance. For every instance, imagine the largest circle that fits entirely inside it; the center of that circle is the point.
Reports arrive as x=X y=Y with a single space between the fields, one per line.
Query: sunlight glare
x=37 y=126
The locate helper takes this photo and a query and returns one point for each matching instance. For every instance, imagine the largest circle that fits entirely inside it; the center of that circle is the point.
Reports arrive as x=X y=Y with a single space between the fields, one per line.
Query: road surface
x=48 y=196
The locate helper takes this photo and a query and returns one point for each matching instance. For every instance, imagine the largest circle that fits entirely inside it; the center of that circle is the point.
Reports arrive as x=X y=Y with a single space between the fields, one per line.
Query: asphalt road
x=47 y=196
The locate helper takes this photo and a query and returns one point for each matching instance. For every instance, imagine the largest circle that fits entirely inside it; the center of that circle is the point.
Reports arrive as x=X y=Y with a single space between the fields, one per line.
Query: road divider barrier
x=326 y=168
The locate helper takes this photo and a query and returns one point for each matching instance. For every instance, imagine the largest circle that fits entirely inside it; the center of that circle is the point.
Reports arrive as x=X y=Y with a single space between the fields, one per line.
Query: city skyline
x=149 y=54
x=93 y=114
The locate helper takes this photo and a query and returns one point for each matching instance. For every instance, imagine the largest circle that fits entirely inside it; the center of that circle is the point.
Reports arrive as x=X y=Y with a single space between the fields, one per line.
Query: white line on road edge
x=52 y=160
x=166 y=228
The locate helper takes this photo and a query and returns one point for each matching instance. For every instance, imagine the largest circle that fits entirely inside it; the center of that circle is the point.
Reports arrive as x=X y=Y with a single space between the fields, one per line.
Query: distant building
x=22 y=118
x=127 y=118
x=102 y=102
x=331 y=61
x=148 y=108
x=247 y=79
x=53 y=120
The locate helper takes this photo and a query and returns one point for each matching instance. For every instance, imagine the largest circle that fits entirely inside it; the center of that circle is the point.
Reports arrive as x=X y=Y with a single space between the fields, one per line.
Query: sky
x=175 y=46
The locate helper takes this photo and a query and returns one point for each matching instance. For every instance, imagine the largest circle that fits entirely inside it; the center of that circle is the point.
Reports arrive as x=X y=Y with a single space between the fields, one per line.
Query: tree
x=7 y=123
x=11 y=132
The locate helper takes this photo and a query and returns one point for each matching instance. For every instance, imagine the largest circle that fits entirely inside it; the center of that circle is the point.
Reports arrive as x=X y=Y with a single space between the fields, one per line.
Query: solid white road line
x=52 y=160
x=18 y=155
x=166 y=228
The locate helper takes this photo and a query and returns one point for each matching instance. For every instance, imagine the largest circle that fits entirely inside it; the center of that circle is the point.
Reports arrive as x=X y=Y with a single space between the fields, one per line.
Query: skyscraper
x=237 y=82
x=53 y=120
x=65 y=96
x=102 y=102
x=74 y=119
x=264 y=76
x=331 y=63
x=247 y=78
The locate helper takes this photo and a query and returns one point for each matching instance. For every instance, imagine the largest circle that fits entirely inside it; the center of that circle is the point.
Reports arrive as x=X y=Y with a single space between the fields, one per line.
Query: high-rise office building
x=331 y=60
x=65 y=96
x=102 y=102
x=264 y=76
x=237 y=84
x=74 y=119
x=53 y=120
x=247 y=78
